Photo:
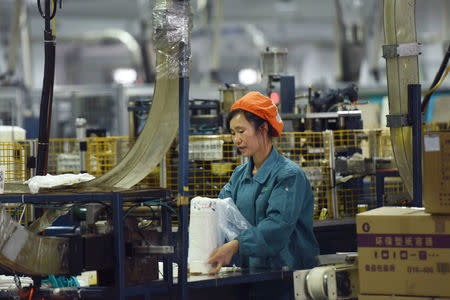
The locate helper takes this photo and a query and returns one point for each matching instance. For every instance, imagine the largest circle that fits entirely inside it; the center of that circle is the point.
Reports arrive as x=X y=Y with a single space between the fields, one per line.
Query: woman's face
x=245 y=137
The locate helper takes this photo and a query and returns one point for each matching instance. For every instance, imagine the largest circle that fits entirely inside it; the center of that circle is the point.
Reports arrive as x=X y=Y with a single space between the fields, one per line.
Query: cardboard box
x=403 y=251
x=393 y=297
x=436 y=172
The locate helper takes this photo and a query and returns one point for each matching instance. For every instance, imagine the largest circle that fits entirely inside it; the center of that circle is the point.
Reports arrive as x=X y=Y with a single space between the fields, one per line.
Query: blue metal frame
x=415 y=114
x=166 y=226
x=183 y=169
x=120 y=290
x=415 y=121
x=119 y=251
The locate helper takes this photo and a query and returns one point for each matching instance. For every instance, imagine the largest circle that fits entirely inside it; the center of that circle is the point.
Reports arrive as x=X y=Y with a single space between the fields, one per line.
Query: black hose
x=436 y=79
x=47 y=92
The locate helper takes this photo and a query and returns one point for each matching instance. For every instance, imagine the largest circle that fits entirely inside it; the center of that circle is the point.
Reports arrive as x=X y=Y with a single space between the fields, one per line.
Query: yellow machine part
x=400 y=27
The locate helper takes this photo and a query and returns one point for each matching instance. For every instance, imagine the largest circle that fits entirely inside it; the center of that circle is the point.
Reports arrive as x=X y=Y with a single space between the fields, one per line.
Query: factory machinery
x=123 y=234
x=135 y=226
x=26 y=252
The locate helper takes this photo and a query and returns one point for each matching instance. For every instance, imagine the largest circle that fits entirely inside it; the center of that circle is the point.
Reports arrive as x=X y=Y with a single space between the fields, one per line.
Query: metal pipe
x=121 y=111
x=216 y=40
x=334 y=203
x=80 y=125
x=26 y=48
x=14 y=41
x=118 y=35
x=163 y=172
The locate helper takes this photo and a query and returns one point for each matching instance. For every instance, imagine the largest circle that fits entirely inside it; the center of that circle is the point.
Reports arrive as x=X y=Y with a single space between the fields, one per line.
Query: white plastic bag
x=212 y=223
x=230 y=221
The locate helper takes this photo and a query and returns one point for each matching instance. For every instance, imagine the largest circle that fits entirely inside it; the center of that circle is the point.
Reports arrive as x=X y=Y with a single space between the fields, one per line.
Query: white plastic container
x=11 y=133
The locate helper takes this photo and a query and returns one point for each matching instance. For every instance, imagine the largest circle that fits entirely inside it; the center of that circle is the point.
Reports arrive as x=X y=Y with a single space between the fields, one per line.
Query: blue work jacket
x=279 y=204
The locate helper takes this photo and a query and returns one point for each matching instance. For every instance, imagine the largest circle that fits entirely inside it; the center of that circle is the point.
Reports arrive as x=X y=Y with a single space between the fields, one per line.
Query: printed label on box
x=404 y=240
x=404 y=251
x=431 y=143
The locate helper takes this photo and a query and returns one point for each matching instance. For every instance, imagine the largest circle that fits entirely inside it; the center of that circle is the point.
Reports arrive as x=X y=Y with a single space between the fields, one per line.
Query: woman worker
x=272 y=193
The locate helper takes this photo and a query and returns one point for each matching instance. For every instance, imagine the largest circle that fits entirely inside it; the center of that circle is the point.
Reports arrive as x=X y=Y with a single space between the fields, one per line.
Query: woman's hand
x=222 y=255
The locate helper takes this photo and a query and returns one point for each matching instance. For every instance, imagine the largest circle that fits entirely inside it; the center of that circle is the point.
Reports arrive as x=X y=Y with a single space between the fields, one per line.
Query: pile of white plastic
x=50 y=181
x=7 y=282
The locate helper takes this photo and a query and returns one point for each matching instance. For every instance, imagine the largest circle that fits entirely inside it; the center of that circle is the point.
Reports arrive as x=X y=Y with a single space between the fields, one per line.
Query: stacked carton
x=436 y=172
x=404 y=253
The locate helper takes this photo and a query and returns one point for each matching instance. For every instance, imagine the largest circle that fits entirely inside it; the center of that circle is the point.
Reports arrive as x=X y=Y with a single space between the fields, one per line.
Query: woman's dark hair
x=251 y=118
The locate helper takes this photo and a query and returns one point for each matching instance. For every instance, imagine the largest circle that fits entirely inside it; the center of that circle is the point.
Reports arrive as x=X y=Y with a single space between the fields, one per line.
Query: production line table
x=116 y=198
x=161 y=289
x=120 y=290
x=169 y=284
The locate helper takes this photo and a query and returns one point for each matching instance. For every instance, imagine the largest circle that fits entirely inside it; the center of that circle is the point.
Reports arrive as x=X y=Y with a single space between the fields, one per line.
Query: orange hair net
x=261 y=106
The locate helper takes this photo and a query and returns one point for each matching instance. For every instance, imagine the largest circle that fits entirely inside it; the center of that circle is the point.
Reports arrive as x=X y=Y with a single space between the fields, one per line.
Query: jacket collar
x=265 y=170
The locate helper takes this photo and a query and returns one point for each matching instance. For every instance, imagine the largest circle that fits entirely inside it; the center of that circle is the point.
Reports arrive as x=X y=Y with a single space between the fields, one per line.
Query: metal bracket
x=406 y=49
x=300 y=289
x=338 y=258
x=153 y=250
x=182 y=200
x=394 y=121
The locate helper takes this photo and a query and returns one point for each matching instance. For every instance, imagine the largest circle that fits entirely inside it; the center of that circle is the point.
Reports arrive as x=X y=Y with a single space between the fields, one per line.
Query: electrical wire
x=437 y=84
x=129 y=211
x=145 y=226
x=153 y=212
x=45 y=113
x=149 y=204
x=438 y=75
x=23 y=295
x=143 y=237
x=358 y=102
x=48 y=206
x=23 y=213
x=204 y=127
x=145 y=203
x=141 y=117
x=172 y=210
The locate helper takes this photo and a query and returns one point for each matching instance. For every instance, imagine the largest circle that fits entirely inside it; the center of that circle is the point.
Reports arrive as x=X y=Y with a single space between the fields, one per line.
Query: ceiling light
x=125 y=76
x=249 y=76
